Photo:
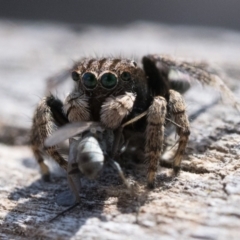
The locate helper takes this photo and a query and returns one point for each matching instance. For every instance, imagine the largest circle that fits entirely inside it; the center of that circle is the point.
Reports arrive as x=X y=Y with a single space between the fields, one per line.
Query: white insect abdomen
x=90 y=157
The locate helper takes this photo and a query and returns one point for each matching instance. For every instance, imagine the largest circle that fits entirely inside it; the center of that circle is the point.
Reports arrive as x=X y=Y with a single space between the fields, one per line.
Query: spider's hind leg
x=47 y=118
x=177 y=110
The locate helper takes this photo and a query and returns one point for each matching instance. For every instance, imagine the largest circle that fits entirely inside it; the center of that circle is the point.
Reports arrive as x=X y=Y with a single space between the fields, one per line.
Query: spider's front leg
x=49 y=115
x=178 y=112
x=47 y=118
x=159 y=84
x=76 y=107
x=115 y=109
x=155 y=136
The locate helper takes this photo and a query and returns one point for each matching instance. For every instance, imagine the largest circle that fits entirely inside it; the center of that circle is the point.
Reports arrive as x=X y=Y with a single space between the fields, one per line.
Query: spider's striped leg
x=154 y=137
x=47 y=118
x=200 y=71
x=178 y=112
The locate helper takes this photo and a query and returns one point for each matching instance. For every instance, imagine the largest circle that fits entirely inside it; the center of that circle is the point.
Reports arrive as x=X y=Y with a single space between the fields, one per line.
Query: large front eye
x=89 y=80
x=108 y=80
x=126 y=76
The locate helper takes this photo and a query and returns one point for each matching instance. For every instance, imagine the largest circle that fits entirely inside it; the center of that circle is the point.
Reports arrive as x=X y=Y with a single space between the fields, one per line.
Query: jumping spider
x=113 y=91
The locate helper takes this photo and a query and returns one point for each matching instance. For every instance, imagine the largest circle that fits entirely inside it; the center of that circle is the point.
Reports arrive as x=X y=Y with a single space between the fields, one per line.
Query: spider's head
x=100 y=78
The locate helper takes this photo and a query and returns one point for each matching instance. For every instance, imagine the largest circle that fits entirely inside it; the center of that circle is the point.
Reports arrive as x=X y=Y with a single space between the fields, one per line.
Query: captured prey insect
x=113 y=91
x=90 y=146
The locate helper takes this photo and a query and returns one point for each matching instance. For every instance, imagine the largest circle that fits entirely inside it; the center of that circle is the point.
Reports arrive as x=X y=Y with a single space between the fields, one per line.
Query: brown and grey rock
x=202 y=203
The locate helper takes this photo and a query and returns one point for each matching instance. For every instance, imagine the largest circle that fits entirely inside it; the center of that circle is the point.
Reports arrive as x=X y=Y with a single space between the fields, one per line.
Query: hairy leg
x=115 y=109
x=178 y=112
x=155 y=136
x=76 y=107
x=47 y=118
x=195 y=70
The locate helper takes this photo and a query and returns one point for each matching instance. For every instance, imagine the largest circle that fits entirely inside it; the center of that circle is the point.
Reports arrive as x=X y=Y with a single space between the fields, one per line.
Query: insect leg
x=178 y=111
x=119 y=131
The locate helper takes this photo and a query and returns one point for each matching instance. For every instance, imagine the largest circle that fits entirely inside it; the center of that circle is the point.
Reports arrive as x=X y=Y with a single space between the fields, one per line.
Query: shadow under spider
x=135 y=169
x=36 y=205
x=36 y=211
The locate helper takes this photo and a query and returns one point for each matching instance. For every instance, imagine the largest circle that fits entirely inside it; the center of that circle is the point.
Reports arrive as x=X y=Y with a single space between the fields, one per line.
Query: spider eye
x=126 y=76
x=108 y=80
x=89 y=80
x=75 y=76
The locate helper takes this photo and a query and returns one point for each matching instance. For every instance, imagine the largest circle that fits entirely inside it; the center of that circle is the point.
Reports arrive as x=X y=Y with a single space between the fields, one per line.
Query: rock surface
x=202 y=203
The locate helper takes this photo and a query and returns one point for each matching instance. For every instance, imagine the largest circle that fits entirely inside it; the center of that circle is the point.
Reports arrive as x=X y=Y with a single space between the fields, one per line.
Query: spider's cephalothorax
x=104 y=86
x=113 y=91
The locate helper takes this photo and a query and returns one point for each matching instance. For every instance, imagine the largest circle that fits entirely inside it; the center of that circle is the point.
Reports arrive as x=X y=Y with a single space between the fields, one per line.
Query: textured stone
x=202 y=203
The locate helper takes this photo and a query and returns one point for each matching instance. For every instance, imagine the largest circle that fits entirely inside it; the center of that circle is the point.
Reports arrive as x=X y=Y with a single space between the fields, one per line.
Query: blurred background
x=213 y=13
x=40 y=38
